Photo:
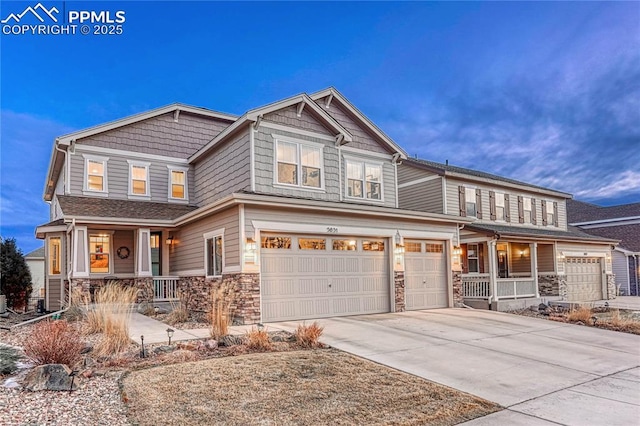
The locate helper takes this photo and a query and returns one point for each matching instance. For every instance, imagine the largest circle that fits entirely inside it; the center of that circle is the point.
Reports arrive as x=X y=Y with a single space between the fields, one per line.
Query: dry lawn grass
x=319 y=387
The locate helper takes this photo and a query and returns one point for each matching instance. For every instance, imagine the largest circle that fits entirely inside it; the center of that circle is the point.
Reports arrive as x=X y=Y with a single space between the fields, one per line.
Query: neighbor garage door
x=317 y=276
x=425 y=275
x=584 y=279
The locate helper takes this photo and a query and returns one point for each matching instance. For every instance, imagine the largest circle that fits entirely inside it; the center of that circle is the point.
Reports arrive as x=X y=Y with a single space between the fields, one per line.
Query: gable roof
x=581 y=212
x=255 y=115
x=571 y=234
x=334 y=94
x=35 y=254
x=462 y=172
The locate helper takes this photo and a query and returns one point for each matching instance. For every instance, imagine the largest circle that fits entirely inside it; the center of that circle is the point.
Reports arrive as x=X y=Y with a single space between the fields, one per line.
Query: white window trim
x=186 y=184
x=473 y=199
x=364 y=162
x=94 y=232
x=207 y=236
x=550 y=212
x=145 y=165
x=50 y=254
x=299 y=143
x=504 y=206
x=476 y=258
x=105 y=182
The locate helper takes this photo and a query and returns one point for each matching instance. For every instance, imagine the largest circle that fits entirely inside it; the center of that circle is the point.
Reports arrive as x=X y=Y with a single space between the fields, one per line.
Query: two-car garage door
x=318 y=276
x=305 y=277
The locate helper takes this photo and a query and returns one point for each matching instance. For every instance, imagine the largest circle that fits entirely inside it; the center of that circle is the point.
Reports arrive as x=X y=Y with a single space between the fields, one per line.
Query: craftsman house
x=297 y=206
x=519 y=245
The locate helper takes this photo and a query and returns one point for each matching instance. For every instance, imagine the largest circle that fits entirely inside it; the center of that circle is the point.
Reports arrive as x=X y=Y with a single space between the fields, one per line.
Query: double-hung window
x=472 y=258
x=213 y=253
x=526 y=207
x=95 y=175
x=470 y=200
x=364 y=180
x=299 y=164
x=138 y=179
x=500 y=209
x=99 y=253
x=177 y=183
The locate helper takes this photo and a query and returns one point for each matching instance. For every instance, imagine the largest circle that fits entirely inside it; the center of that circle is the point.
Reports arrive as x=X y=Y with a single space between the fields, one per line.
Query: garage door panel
x=584 y=279
x=323 y=282
x=426 y=278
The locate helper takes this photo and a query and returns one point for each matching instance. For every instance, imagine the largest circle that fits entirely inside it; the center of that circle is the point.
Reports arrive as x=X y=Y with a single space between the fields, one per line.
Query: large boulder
x=54 y=377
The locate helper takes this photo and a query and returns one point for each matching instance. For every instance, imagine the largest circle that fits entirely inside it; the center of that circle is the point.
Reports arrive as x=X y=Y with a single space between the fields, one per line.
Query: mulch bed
x=320 y=387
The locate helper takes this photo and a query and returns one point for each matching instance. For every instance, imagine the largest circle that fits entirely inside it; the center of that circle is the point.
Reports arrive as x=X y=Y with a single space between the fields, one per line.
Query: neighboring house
x=295 y=205
x=519 y=246
x=35 y=262
x=622 y=223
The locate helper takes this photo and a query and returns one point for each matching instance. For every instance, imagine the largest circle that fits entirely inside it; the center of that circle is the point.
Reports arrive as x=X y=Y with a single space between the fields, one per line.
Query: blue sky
x=544 y=92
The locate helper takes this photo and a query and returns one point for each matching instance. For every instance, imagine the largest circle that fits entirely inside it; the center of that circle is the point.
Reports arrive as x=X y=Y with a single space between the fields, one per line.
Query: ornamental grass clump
x=110 y=315
x=581 y=314
x=179 y=310
x=258 y=340
x=308 y=336
x=54 y=342
x=221 y=311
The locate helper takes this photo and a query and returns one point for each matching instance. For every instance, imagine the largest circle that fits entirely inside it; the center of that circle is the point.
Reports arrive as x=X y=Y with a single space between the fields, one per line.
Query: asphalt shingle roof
x=474 y=173
x=37 y=253
x=579 y=211
x=572 y=232
x=125 y=209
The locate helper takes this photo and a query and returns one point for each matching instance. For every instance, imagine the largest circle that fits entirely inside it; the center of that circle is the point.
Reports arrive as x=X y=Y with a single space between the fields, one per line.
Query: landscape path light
x=170 y=334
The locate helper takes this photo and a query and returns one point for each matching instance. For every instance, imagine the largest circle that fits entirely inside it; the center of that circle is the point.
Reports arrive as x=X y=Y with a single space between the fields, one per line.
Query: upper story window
x=364 y=180
x=549 y=213
x=526 y=206
x=138 y=178
x=299 y=164
x=470 y=202
x=500 y=207
x=99 y=253
x=95 y=174
x=177 y=183
x=213 y=253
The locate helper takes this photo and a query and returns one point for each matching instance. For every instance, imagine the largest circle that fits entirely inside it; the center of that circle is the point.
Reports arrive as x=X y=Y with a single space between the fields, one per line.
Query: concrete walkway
x=542 y=372
x=155 y=331
x=621 y=302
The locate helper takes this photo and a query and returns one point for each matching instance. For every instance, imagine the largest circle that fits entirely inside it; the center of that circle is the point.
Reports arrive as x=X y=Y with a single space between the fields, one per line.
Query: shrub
x=110 y=316
x=258 y=340
x=179 y=310
x=582 y=313
x=221 y=312
x=54 y=342
x=9 y=357
x=308 y=336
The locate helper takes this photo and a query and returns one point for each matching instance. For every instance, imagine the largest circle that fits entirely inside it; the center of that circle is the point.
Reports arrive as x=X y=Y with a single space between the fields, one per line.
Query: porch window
x=470 y=199
x=138 y=178
x=473 y=258
x=95 y=174
x=299 y=164
x=213 y=248
x=364 y=180
x=99 y=253
x=55 y=250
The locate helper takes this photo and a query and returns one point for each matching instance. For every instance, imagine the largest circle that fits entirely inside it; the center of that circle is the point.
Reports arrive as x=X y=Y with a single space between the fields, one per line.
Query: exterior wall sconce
x=398 y=243
x=457 y=251
x=169 y=241
x=251 y=249
x=398 y=252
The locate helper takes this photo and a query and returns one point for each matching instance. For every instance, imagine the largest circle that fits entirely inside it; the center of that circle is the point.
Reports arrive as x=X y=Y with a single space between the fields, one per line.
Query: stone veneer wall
x=398 y=282
x=241 y=290
x=88 y=286
x=549 y=285
x=458 y=299
x=612 y=289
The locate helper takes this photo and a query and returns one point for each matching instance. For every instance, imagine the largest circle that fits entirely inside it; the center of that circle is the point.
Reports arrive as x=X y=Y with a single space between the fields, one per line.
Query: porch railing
x=513 y=288
x=476 y=287
x=165 y=288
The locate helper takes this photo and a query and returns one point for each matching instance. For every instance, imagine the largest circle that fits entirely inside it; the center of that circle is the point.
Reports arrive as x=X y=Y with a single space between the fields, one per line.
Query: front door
x=156 y=253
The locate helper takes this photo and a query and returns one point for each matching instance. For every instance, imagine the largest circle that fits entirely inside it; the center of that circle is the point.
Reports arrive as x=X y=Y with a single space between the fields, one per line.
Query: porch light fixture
x=398 y=242
x=250 y=248
x=169 y=241
x=170 y=334
x=457 y=251
x=156 y=310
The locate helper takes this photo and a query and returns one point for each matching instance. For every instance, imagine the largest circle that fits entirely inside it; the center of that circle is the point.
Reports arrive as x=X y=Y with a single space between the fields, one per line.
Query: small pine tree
x=15 y=277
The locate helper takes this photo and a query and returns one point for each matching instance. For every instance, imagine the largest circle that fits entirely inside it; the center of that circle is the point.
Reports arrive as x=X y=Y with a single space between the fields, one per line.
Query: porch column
x=143 y=257
x=533 y=249
x=493 y=270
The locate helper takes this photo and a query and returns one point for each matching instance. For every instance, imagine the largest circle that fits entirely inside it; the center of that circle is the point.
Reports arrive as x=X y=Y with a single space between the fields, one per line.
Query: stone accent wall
x=562 y=287
x=242 y=291
x=398 y=282
x=612 y=289
x=458 y=300
x=88 y=286
x=549 y=285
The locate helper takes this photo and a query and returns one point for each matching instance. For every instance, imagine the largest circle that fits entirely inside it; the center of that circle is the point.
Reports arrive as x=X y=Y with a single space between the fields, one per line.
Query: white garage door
x=425 y=275
x=317 y=276
x=584 y=279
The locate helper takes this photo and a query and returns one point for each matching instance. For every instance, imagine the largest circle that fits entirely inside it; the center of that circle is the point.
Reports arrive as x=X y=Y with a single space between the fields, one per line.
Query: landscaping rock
x=164 y=349
x=230 y=340
x=86 y=349
x=53 y=377
x=211 y=344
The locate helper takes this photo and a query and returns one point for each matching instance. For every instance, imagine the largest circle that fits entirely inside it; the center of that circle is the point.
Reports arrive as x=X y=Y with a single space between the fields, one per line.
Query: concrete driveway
x=542 y=371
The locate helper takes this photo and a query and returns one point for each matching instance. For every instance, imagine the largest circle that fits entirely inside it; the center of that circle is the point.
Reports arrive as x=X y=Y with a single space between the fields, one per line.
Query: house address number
x=332 y=230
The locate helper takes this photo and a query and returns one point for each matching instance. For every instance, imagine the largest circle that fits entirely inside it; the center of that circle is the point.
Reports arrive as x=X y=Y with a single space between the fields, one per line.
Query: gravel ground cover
x=319 y=387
